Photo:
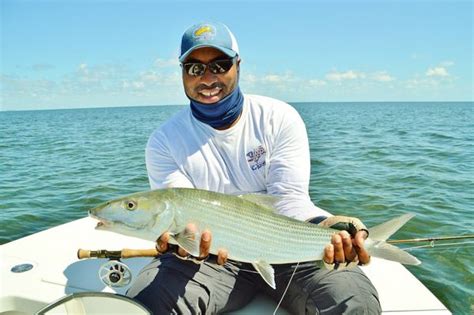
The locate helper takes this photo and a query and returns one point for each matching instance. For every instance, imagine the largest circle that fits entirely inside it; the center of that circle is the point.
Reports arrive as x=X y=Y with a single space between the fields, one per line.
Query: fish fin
x=266 y=201
x=377 y=246
x=383 y=231
x=387 y=251
x=266 y=271
x=188 y=240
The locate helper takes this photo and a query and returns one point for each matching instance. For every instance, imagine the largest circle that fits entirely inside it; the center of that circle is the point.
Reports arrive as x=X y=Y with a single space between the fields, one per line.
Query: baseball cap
x=208 y=34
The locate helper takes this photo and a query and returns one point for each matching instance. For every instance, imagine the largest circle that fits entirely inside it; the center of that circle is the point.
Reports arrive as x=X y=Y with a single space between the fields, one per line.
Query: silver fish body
x=247 y=227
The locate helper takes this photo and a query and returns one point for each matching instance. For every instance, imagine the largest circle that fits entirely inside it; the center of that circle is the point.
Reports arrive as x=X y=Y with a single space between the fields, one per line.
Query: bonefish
x=248 y=226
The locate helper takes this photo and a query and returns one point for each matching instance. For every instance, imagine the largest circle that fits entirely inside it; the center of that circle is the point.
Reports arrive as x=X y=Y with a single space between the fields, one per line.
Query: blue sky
x=78 y=53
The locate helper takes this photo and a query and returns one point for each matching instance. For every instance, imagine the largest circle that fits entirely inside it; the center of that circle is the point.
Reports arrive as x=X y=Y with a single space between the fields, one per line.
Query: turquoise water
x=371 y=160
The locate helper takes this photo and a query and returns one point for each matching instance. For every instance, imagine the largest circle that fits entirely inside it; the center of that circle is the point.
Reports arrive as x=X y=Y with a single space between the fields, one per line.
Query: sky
x=100 y=53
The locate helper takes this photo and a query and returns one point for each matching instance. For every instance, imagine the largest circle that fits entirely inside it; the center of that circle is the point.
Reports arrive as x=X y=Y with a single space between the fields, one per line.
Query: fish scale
x=235 y=222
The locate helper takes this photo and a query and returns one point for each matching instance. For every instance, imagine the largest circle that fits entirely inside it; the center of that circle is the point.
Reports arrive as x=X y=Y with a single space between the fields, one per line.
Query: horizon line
x=289 y=102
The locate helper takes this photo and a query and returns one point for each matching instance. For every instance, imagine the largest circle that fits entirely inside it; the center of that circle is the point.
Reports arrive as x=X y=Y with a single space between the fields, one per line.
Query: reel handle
x=124 y=253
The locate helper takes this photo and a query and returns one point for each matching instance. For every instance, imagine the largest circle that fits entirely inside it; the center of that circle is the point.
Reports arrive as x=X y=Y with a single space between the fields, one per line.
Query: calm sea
x=371 y=160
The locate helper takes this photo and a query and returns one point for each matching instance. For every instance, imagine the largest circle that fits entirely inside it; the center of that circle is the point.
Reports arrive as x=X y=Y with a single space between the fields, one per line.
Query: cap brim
x=227 y=51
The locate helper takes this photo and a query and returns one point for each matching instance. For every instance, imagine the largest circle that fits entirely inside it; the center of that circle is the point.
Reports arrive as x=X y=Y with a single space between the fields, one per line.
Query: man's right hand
x=204 y=247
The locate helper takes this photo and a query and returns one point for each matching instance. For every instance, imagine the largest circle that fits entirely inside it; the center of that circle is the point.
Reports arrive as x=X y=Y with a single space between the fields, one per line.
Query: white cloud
x=437 y=72
x=268 y=79
x=440 y=70
x=415 y=83
x=382 y=76
x=317 y=83
x=420 y=82
x=277 y=84
x=83 y=68
x=160 y=82
x=273 y=78
x=150 y=76
x=138 y=84
x=165 y=63
x=343 y=76
x=19 y=87
x=94 y=84
x=249 y=78
x=350 y=75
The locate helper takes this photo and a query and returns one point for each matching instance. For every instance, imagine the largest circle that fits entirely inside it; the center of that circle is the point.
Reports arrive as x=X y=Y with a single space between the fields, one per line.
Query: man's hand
x=204 y=246
x=344 y=247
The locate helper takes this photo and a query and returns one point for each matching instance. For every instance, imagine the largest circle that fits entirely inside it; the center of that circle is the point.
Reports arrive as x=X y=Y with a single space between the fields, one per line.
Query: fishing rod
x=432 y=239
x=114 y=273
x=131 y=253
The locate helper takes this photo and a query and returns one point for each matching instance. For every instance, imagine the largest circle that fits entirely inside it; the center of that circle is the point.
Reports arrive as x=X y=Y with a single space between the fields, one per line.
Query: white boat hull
x=57 y=272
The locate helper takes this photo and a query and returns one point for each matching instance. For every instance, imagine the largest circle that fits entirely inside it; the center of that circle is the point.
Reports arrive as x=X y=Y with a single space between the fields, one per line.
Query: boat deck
x=57 y=272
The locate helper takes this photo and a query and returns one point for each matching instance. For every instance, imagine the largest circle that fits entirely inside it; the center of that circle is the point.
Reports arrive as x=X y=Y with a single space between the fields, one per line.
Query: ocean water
x=370 y=160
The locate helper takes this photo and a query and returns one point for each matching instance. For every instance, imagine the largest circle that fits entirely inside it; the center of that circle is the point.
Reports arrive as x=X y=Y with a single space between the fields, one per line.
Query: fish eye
x=130 y=205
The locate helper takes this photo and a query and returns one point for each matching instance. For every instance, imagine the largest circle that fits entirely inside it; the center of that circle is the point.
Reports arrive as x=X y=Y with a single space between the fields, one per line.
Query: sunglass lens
x=221 y=66
x=195 y=69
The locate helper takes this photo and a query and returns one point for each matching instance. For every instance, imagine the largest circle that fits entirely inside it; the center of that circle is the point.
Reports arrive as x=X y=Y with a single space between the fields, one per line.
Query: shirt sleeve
x=289 y=170
x=163 y=171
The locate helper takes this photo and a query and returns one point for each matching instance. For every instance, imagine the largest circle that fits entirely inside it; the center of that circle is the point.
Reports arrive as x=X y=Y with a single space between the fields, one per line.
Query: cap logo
x=205 y=32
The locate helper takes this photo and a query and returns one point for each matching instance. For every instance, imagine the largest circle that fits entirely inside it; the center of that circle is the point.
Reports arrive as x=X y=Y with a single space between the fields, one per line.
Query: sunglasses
x=216 y=67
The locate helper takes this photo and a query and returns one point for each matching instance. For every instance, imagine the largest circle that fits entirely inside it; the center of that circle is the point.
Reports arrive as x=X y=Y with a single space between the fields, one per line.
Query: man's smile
x=210 y=92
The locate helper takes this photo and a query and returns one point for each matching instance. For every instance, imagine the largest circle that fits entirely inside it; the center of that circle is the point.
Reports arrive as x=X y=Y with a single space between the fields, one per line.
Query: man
x=234 y=143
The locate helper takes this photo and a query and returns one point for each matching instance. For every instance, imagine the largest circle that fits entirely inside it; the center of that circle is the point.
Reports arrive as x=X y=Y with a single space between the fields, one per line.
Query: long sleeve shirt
x=265 y=151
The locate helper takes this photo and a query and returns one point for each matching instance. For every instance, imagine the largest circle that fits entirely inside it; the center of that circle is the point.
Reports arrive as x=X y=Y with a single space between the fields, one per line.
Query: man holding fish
x=237 y=144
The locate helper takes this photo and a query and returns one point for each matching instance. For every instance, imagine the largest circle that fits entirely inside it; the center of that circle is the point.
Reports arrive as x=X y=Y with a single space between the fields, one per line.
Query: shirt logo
x=256 y=158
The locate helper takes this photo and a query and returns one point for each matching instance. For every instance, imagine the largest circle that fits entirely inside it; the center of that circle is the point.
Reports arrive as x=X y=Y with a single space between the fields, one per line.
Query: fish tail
x=381 y=249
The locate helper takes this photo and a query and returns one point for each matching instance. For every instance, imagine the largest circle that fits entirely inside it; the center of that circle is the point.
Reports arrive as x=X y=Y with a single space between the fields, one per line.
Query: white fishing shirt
x=266 y=151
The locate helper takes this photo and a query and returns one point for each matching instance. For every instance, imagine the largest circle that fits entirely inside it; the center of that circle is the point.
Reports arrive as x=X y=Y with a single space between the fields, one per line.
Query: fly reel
x=115 y=274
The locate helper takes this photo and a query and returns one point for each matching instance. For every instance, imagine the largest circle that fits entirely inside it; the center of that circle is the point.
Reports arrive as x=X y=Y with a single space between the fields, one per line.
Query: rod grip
x=124 y=253
x=130 y=253
x=83 y=253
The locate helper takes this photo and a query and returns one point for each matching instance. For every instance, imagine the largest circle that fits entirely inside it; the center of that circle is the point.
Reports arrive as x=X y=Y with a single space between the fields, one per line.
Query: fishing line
x=286 y=289
x=433 y=245
x=236 y=268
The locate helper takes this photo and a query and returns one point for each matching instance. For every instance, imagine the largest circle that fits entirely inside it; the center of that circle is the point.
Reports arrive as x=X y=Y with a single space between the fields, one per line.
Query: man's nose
x=208 y=76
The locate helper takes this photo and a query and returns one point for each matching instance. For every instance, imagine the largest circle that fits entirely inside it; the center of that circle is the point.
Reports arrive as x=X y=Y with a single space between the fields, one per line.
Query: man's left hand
x=344 y=247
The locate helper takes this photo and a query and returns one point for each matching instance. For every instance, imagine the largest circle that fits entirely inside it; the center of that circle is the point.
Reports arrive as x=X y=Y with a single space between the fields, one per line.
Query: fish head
x=134 y=215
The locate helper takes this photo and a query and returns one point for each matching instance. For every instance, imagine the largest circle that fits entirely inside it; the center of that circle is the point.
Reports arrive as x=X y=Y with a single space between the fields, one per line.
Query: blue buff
x=222 y=113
